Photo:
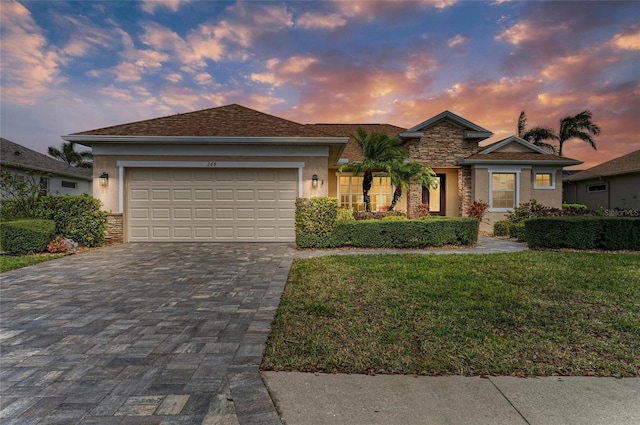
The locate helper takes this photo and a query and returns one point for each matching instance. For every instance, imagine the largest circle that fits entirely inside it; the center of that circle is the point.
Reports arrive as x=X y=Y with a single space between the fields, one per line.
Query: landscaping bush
x=575 y=209
x=76 y=217
x=26 y=236
x=501 y=228
x=394 y=218
x=315 y=219
x=608 y=233
x=376 y=215
x=517 y=231
x=345 y=214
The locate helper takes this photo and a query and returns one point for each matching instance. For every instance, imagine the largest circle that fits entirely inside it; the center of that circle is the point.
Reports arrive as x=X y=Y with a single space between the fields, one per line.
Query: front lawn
x=525 y=313
x=11 y=262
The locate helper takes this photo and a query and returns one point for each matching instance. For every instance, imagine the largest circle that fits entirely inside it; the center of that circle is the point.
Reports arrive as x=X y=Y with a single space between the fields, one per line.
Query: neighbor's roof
x=225 y=121
x=352 y=152
x=626 y=164
x=17 y=156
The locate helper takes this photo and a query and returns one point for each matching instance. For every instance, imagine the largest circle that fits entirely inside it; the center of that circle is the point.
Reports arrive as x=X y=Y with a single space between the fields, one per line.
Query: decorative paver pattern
x=141 y=334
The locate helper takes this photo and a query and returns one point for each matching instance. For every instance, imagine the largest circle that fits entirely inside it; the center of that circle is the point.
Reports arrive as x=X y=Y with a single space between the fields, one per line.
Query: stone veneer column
x=464 y=190
x=115 y=230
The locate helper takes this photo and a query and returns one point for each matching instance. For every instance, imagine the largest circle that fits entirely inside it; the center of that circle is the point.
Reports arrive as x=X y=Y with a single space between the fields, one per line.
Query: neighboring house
x=54 y=177
x=233 y=173
x=612 y=184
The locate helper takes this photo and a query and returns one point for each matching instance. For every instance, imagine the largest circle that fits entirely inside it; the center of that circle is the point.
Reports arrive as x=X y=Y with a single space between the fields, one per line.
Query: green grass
x=8 y=262
x=526 y=313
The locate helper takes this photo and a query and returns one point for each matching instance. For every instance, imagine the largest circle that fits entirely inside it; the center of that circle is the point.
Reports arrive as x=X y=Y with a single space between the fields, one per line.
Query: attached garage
x=210 y=204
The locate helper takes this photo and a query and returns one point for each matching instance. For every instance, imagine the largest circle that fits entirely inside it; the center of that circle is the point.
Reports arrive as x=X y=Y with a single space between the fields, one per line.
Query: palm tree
x=580 y=127
x=536 y=135
x=380 y=152
x=404 y=173
x=68 y=154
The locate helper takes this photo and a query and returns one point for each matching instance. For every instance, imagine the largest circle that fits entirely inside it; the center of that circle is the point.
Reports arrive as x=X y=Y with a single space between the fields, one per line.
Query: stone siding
x=441 y=146
x=115 y=229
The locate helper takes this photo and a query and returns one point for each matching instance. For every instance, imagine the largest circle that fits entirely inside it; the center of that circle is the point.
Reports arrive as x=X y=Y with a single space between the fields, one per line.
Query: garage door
x=206 y=204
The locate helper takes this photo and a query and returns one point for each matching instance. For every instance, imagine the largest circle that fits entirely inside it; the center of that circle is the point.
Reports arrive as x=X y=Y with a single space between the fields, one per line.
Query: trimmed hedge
x=396 y=234
x=76 y=217
x=607 y=233
x=321 y=224
x=501 y=228
x=26 y=236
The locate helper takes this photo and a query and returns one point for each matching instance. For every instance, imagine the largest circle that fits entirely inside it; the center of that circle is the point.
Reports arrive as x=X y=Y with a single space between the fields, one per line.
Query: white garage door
x=207 y=204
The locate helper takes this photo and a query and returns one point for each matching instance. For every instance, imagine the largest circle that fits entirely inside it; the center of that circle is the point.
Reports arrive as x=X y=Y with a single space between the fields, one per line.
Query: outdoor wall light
x=314 y=181
x=104 y=179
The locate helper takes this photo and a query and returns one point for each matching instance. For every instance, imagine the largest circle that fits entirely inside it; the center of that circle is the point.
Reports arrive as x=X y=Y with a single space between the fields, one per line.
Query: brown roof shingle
x=629 y=163
x=225 y=121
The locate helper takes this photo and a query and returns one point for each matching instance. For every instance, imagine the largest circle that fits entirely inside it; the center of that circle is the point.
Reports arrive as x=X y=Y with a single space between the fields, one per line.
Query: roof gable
x=226 y=121
x=455 y=119
x=18 y=156
x=626 y=164
x=512 y=144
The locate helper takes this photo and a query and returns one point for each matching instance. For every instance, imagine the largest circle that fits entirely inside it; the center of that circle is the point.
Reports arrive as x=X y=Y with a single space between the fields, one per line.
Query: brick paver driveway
x=141 y=334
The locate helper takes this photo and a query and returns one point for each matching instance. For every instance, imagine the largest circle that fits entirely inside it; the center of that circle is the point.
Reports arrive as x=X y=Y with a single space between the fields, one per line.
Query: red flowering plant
x=61 y=245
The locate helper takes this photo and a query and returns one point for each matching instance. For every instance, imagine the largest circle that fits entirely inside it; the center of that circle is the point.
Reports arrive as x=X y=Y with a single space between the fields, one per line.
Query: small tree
x=23 y=190
x=402 y=174
x=380 y=152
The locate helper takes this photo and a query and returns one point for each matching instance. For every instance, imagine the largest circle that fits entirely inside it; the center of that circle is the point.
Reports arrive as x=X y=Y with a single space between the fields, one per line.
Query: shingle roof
x=629 y=163
x=225 y=121
x=518 y=156
x=352 y=151
x=17 y=156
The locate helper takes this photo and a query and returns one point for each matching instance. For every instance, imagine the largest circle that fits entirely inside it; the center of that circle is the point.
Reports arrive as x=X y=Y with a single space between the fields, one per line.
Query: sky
x=70 y=66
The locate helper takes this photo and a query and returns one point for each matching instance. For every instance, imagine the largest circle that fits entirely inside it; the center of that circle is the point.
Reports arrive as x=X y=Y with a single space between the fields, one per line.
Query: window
x=69 y=185
x=44 y=186
x=597 y=188
x=350 y=192
x=503 y=190
x=544 y=181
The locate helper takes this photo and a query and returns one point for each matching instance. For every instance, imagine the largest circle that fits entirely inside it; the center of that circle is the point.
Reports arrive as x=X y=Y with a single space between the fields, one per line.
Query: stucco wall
x=109 y=195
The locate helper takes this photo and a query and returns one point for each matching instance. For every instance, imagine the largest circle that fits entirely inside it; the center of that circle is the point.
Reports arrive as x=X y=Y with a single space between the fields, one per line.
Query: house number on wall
x=211 y=164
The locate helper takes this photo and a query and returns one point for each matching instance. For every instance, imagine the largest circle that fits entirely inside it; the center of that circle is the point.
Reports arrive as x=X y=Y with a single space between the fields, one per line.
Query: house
x=232 y=173
x=54 y=177
x=610 y=185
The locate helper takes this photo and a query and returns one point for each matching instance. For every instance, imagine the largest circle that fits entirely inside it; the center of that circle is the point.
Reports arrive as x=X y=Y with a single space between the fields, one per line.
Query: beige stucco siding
x=110 y=197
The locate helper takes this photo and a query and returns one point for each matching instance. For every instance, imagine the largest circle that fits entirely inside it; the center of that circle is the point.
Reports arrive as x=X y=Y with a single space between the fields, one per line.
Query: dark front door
x=436 y=198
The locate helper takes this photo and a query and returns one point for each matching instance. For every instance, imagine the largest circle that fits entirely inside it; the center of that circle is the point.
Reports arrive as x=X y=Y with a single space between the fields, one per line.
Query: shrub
x=345 y=214
x=501 y=228
x=315 y=218
x=477 y=210
x=516 y=231
x=76 y=217
x=376 y=215
x=60 y=244
x=608 y=233
x=423 y=210
x=26 y=236
x=394 y=218
x=574 y=209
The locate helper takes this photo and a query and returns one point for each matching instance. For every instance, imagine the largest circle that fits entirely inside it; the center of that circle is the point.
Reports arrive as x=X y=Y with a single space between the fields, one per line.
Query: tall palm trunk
x=367 y=181
x=397 y=194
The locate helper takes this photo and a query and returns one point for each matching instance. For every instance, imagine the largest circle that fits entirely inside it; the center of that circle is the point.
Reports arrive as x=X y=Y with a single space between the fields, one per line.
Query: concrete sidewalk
x=320 y=399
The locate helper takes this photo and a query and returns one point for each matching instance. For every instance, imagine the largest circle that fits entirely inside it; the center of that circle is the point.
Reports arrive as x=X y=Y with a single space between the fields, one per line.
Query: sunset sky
x=69 y=66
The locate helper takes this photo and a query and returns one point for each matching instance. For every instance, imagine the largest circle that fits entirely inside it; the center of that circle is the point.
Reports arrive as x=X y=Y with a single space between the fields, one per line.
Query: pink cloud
x=29 y=65
x=318 y=21
x=629 y=40
x=150 y=6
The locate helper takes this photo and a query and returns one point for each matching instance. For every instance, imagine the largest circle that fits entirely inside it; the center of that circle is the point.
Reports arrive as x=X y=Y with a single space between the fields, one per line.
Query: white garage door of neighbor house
x=211 y=204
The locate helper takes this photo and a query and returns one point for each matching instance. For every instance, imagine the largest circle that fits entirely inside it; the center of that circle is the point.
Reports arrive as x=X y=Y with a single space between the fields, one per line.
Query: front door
x=436 y=198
